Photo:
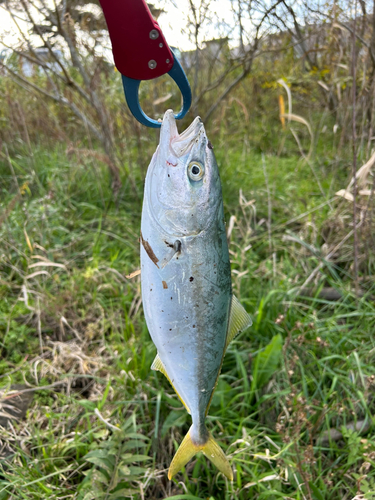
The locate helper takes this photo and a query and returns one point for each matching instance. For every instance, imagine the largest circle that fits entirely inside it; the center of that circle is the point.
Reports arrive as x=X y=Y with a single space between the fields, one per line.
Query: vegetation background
x=286 y=92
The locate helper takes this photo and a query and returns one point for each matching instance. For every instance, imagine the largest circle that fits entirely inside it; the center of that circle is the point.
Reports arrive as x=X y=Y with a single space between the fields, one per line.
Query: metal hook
x=131 y=89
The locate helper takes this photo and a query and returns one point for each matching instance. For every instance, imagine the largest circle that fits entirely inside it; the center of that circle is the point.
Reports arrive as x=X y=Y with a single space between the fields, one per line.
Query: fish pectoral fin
x=158 y=365
x=239 y=320
x=210 y=449
x=176 y=248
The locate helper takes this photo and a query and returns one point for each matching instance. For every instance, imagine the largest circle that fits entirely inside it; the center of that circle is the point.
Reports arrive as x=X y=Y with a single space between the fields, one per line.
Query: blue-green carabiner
x=131 y=89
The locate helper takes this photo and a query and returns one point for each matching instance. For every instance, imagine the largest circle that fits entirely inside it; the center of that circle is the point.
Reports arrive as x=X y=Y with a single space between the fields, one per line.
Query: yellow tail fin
x=210 y=449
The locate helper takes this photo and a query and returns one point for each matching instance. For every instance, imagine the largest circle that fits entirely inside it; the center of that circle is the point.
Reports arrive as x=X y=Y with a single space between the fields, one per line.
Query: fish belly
x=186 y=306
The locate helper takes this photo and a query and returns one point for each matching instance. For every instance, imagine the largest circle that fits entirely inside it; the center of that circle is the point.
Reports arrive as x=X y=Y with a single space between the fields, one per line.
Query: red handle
x=138 y=44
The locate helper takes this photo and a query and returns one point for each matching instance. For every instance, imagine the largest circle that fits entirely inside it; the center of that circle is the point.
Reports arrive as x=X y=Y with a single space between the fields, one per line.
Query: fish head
x=183 y=184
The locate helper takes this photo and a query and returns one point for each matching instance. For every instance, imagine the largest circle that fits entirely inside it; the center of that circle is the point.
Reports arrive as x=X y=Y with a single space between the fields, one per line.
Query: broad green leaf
x=133 y=444
x=90 y=496
x=101 y=476
x=184 y=497
x=96 y=454
x=133 y=458
x=317 y=495
x=134 y=469
x=266 y=362
x=134 y=435
x=175 y=418
x=124 y=469
x=88 y=405
x=123 y=493
x=101 y=462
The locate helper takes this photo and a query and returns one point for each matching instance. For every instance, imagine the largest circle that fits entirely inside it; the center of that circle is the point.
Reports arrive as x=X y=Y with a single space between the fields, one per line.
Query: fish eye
x=195 y=170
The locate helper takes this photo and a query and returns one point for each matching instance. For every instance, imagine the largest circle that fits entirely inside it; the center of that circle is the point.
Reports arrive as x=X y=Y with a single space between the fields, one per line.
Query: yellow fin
x=210 y=449
x=214 y=453
x=239 y=320
x=158 y=365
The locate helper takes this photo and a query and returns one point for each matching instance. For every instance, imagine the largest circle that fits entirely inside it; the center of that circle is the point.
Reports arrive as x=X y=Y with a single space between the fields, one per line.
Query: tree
x=70 y=74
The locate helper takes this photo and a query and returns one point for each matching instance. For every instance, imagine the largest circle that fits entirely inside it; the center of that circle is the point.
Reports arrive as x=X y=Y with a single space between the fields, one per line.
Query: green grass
x=81 y=324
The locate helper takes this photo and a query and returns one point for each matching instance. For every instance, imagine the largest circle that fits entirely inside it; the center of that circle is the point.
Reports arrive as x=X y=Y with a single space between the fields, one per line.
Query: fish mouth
x=171 y=196
x=180 y=143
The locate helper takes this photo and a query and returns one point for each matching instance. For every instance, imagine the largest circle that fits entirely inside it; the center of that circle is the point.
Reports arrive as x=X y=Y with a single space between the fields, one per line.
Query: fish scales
x=202 y=277
x=186 y=277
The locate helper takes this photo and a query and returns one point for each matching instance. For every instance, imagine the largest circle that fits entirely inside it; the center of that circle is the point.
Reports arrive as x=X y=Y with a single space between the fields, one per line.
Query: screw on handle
x=131 y=89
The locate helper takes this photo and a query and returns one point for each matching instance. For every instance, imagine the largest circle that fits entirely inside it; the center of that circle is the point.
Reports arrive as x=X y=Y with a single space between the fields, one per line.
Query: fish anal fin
x=239 y=320
x=158 y=365
x=210 y=449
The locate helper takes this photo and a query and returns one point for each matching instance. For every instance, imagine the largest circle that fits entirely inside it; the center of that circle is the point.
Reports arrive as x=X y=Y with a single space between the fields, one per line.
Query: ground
x=293 y=407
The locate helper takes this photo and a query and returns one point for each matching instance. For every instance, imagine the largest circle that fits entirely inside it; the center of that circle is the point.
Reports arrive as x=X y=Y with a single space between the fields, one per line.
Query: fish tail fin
x=210 y=449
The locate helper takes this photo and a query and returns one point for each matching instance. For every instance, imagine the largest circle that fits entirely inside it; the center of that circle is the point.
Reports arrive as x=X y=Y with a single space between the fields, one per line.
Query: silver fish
x=187 y=297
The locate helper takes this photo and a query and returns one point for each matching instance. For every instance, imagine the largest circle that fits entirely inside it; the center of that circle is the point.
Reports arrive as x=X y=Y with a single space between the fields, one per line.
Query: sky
x=173 y=23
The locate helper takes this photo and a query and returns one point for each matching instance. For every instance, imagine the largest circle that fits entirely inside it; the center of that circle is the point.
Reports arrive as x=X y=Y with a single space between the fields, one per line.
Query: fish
x=189 y=307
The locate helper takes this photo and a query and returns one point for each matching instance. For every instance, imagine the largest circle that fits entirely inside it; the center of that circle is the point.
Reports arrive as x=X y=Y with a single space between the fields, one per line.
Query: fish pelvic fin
x=210 y=449
x=158 y=365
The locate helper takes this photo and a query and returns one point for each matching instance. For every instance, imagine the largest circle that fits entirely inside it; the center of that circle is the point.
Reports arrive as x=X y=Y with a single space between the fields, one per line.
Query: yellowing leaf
x=282 y=110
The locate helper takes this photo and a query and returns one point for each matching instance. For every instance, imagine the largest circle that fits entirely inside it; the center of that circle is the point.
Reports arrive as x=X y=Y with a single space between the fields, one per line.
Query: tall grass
x=294 y=404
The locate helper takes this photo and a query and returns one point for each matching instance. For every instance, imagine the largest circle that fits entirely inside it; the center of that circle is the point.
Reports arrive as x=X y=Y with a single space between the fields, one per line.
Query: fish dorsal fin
x=239 y=320
x=158 y=365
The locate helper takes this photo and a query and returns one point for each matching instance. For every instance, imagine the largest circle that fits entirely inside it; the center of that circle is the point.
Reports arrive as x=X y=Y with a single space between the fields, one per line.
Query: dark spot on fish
x=165 y=286
x=168 y=175
x=170 y=329
x=217 y=293
x=150 y=289
x=171 y=298
x=193 y=326
x=149 y=251
x=162 y=311
x=191 y=278
x=209 y=145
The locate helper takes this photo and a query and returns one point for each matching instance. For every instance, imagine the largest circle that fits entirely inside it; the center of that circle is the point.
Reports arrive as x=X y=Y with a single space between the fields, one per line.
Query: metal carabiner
x=131 y=90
